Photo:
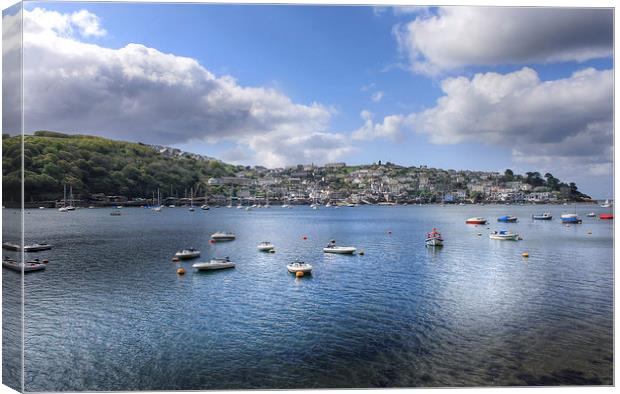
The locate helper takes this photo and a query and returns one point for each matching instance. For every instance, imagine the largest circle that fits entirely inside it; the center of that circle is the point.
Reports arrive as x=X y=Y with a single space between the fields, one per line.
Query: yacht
x=265 y=246
x=214 y=264
x=187 y=254
x=223 y=236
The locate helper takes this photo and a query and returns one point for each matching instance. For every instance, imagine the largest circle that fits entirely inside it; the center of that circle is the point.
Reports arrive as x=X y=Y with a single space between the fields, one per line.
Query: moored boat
x=606 y=204
x=543 y=216
x=476 y=220
x=265 y=246
x=504 y=235
x=333 y=248
x=507 y=219
x=214 y=264
x=187 y=254
x=591 y=215
x=434 y=238
x=570 y=218
x=29 y=266
x=606 y=216
x=27 y=248
x=223 y=236
x=299 y=266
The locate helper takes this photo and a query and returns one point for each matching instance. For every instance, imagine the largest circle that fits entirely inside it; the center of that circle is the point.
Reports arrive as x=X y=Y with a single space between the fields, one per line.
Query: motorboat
x=265 y=246
x=248 y=208
x=606 y=204
x=205 y=207
x=29 y=266
x=214 y=264
x=223 y=236
x=299 y=266
x=27 y=248
x=285 y=205
x=504 y=235
x=476 y=220
x=434 y=238
x=570 y=218
x=333 y=248
x=606 y=216
x=591 y=215
x=192 y=209
x=543 y=216
x=507 y=219
x=187 y=254
x=41 y=207
x=116 y=213
x=239 y=206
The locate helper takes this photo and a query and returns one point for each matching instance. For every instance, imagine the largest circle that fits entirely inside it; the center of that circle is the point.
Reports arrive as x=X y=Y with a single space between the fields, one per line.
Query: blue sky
x=338 y=57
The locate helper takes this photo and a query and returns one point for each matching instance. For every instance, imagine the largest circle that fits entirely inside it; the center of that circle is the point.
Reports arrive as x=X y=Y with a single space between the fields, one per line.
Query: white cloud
x=391 y=128
x=140 y=93
x=377 y=96
x=564 y=124
x=455 y=37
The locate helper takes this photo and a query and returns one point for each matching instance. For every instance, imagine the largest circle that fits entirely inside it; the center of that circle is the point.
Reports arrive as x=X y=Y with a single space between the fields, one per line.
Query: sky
x=482 y=88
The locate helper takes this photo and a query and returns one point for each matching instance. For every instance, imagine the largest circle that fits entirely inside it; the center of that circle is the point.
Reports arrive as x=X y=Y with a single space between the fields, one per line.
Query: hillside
x=99 y=165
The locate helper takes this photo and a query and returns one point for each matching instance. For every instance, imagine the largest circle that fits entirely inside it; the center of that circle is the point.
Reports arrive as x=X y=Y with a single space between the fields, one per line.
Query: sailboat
x=157 y=208
x=191 y=200
x=204 y=206
x=64 y=200
x=70 y=207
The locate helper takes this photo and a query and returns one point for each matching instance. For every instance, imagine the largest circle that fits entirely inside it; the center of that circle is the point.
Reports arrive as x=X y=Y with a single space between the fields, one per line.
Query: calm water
x=110 y=312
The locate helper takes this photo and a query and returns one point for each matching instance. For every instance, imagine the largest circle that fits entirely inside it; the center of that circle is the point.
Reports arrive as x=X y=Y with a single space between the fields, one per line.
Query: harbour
x=472 y=312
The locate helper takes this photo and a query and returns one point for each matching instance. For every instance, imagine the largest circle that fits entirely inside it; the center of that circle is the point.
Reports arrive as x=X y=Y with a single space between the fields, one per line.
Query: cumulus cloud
x=455 y=37
x=139 y=93
x=391 y=128
x=564 y=123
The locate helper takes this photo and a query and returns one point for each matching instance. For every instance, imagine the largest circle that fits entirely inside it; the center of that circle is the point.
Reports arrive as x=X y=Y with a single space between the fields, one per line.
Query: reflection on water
x=110 y=312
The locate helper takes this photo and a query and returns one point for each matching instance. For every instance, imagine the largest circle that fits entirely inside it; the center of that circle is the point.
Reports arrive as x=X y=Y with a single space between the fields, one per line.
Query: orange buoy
x=525 y=254
x=299 y=274
x=181 y=271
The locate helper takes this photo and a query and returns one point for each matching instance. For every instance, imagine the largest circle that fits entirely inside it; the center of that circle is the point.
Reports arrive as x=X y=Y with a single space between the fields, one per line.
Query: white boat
x=29 y=266
x=223 y=236
x=191 y=200
x=591 y=215
x=91 y=207
x=27 y=248
x=214 y=264
x=41 y=207
x=248 y=208
x=333 y=248
x=205 y=207
x=239 y=206
x=64 y=207
x=187 y=254
x=299 y=266
x=157 y=208
x=434 y=238
x=504 y=235
x=171 y=206
x=265 y=246
x=606 y=204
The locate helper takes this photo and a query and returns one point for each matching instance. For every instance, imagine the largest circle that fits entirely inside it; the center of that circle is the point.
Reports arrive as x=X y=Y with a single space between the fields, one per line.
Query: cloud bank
x=139 y=93
x=558 y=123
x=455 y=37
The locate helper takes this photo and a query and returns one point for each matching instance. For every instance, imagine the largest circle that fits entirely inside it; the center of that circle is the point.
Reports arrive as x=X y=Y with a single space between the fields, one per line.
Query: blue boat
x=507 y=219
x=570 y=218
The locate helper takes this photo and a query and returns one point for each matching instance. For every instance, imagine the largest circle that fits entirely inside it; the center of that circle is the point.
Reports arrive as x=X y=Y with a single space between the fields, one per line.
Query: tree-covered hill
x=98 y=165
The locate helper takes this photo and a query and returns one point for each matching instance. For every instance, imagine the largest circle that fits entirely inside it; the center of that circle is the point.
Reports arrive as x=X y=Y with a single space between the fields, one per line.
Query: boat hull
x=296 y=269
x=213 y=266
x=510 y=237
x=340 y=250
x=434 y=242
x=265 y=248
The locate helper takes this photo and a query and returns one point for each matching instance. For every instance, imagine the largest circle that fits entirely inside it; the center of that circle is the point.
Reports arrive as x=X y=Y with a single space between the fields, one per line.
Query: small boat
x=591 y=215
x=171 y=206
x=239 y=206
x=187 y=254
x=91 y=207
x=41 y=207
x=214 y=264
x=333 y=248
x=116 y=213
x=476 y=220
x=248 y=208
x=543 y=216
x=504 y=235
x=606 y=216
x=285 y=205
x=27 y=248
x=507 y=219
x=570 y=218
x=29 y=266
x=223 y=236
x=265 y=246
x=192 y=209
x=434 y=238
x=205 y=207
x=606 y=204
x=299 y=266
x=119 y=207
